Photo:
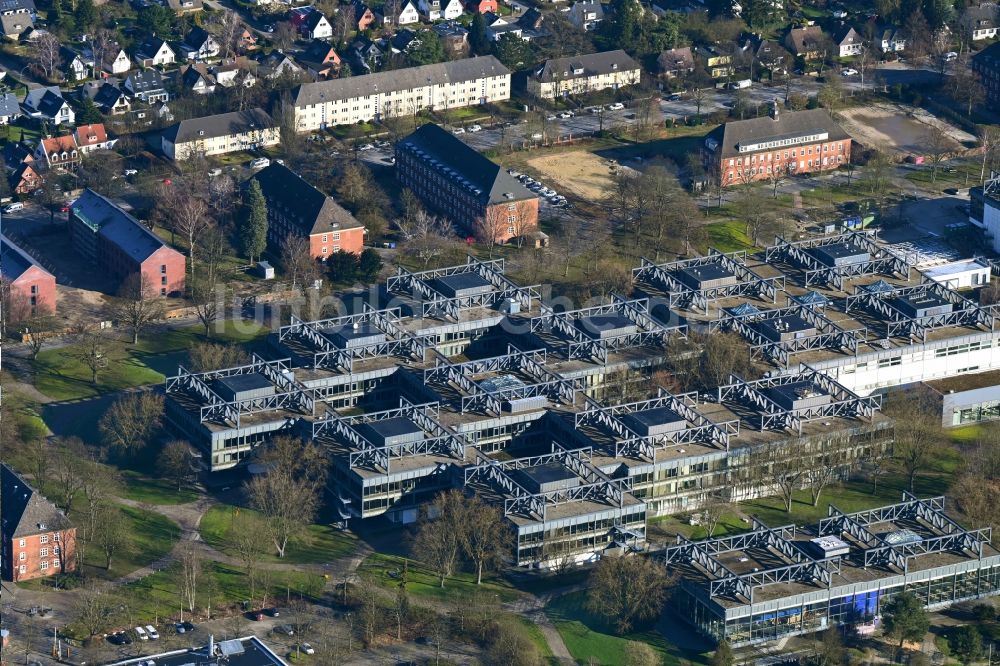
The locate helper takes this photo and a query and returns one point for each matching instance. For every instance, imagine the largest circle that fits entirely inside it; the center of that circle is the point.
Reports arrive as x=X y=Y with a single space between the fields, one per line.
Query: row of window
x=43 y=565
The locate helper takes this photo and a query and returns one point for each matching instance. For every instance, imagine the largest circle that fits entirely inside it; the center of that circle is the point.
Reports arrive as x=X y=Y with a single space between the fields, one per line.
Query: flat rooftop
x=461 y=284
x=250 y=651
x=250 y=381
x=961 y=383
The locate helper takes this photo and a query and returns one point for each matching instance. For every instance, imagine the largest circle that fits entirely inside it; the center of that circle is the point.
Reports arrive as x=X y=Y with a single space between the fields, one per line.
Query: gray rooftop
x=592 y=64
x=789 y=124
x=14 y=261
x=223 y=124
x=117 y=226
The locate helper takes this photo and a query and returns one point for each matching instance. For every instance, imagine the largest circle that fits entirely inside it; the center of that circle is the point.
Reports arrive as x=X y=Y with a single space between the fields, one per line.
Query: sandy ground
x=902 y=129
x=577 y=172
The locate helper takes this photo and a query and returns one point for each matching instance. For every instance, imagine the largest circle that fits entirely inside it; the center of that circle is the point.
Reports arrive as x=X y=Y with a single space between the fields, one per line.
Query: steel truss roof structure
x=880 y=260
x=724 y=582
x=681 y=295
x=629 y=443
x=478 y=398
x=436 y=304
x=595 y=486
x=900 y=324
x=438 y=439
x=828 y=336
x=400 y=342
x=843 y=402
x=949 y=536
x=579 y=345
x=289 y=394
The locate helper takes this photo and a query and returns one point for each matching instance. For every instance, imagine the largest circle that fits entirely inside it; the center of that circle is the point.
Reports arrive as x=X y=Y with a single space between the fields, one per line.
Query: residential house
x=246 y=41
x=576 y=75
x=48 y=104
x=403 y=41
x=364 y=17
x=107 y=96
x=14 y=23
x=435 y=10
x=121 y=246
x=892 y=40
x=57 y=152
x=454 y=37
x=25 y=179
x=320 y=59
x=772 y=57
x=234 y=71
x=199 y=45
x=296 y=208
x=409 y=13
x=717 y=65
x=220 y=134
x=364 y=54
x=986 y=64
x=195 y=78
x=317 y=27
x=117 y=62
x=980 y=22
x=276 y=64
x=586 y=14
x=92 y=137
x=794 y=142
x=32 y=289
x=809 y=43
x=37 y=538
x=77 y=67
x=447 y=85
x=146 y=85
x=849 y=42
x=16 y=153
x=161 y=110
x=155 y=52
x=481 y=6
x=10 y=110
x=675 y=62
x=527 y=27
x=461 y=184
x=181 y=7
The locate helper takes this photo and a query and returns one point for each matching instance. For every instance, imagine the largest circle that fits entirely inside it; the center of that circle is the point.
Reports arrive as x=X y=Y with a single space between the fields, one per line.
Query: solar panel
x=231 y=647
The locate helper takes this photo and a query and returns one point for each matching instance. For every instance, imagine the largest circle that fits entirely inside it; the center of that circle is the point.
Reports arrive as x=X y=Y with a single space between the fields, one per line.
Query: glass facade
x=984 y=411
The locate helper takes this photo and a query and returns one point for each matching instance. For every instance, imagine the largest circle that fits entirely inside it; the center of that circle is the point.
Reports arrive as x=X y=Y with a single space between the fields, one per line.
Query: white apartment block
x=220 y=134
x=579 y=75
x=447 y=85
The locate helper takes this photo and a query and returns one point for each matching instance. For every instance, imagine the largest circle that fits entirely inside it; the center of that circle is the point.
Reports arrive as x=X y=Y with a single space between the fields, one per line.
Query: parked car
x=273 y=612
x=212 y=173
x=153 y=633
x=307 y=649
x=284 y=629
x=848 y=71
x=565 y=114
x=365 y=148
x=550 y=117
x=10 y=208
x=183 y=627
x=458 y=130
x=617 y=106
x=140 y=633
x=537 y=136
x=260 y=163
x=737 y=85
x=949 y=56
x=269 y=28
x=476 y=128
x=676 y=97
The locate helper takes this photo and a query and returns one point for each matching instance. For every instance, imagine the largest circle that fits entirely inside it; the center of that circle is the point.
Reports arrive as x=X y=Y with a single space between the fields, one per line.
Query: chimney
x=211 y=646
x=774 y=109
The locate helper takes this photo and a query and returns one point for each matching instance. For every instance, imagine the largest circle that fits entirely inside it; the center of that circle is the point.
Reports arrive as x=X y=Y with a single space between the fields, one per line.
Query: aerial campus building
x=459 y=378
x=770 y=583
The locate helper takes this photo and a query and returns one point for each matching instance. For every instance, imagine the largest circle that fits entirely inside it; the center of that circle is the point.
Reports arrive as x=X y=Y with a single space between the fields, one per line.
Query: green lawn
x=422 y=581
x=320 y=544
x=153 y=536
x=589 y=641
x=538 y=638
x=154 y=491
x=62 y=377
x=728 y=236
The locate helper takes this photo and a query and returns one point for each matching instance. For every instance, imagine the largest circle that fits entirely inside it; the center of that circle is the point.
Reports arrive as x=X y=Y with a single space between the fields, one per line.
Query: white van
x=736 y=85
x=10 y=208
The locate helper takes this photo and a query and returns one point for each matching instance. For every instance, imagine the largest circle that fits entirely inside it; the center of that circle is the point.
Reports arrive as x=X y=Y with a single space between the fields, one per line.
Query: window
x=22 y=569
x=325 y=237
x=55 y=537
x=163 y=269
x=55 y=564
x=22 y=556
x=324 y=250
x=43 y=539
x=43 y=565
x=44 y=552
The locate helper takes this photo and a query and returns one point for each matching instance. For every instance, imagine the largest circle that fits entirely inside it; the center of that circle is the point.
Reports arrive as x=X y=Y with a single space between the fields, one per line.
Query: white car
x=366 y=147
x=260 y=163
x=307 y=649
x=617 y=106
x=950 y=55
x=475 y=128
x=565 y=114
x=848 y=71
x=131 y=172
x=212 y=173
x=10 y=208
x=550 y=117
x=458 y=130
x=537 y=136
x=141 y=634
x=151 y=630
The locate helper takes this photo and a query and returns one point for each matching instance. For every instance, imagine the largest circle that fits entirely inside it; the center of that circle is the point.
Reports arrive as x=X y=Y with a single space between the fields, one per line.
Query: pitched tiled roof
x=223 y=124
x=85 y=132
x=313 y=211
x=9 y=105
x=492 y=181
x=13 y=260
x=467 y=69
x=592 y=64
x=116 y=225
x=24 y=511
x=57 y=144
x=806 y=39
x=789 y=124
x=145 y=80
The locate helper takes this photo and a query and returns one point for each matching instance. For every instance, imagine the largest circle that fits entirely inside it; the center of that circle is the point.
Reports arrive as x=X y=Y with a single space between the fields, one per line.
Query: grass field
x=152 y=537
x=62 y=377
x=320 y=544
x=590 y=642
x=422 y=581
x=728 y=236
x=154 y=491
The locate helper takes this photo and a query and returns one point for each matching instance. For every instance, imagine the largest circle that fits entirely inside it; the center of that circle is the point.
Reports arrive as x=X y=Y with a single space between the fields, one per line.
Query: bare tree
x=438 y=539
x=36 y=330
x=713 y=511
x=626 y=590
x=298 y=262
x=175 y=462
x=191 y=570
x=370 y=612
x=227 y=29
x=491 y=227
x=917 y=441
x=485 y=536
x=830 y=460
x=131 y=420
x=243 y=538
x=95 y=607
x=45 y=54
x=778 y=467
x=67 y=468
x=939 y=145
x=188 y=216
x=115 y=536
x=989 y=141
x=137 y=304
x=96 y=349
x=207 y=297
x=205 y=356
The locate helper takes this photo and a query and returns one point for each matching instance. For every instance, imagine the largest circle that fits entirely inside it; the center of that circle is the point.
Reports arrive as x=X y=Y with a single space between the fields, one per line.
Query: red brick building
x=37 y=539
x=30 y=288
x=296 y=208
x=459 y=183
x=745 y=151
x=122 y=246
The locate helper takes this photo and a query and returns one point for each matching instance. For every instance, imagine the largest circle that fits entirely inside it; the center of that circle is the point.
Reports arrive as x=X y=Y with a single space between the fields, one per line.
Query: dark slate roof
x=17 y=23
x=196 y=37
x=50 y=104
x=116 y=225
x=483 y=174
x=467 y=69
x=222 y=124
x=788 y=124
x=24 y=510
x=989 y=57
x=145 y=80
x=803 y=40
x=592 y=64
x=313 y=20
x=108 y=95
x=9 y=105
x=14 y=261
x=676 y=59
x=317 y=51
x=152 y=46
x=313 y=211
x=17 y=6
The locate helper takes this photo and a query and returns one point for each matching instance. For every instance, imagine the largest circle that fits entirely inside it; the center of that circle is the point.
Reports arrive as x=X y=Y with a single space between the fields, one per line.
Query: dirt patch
x=901 y=129
x=579 y=172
